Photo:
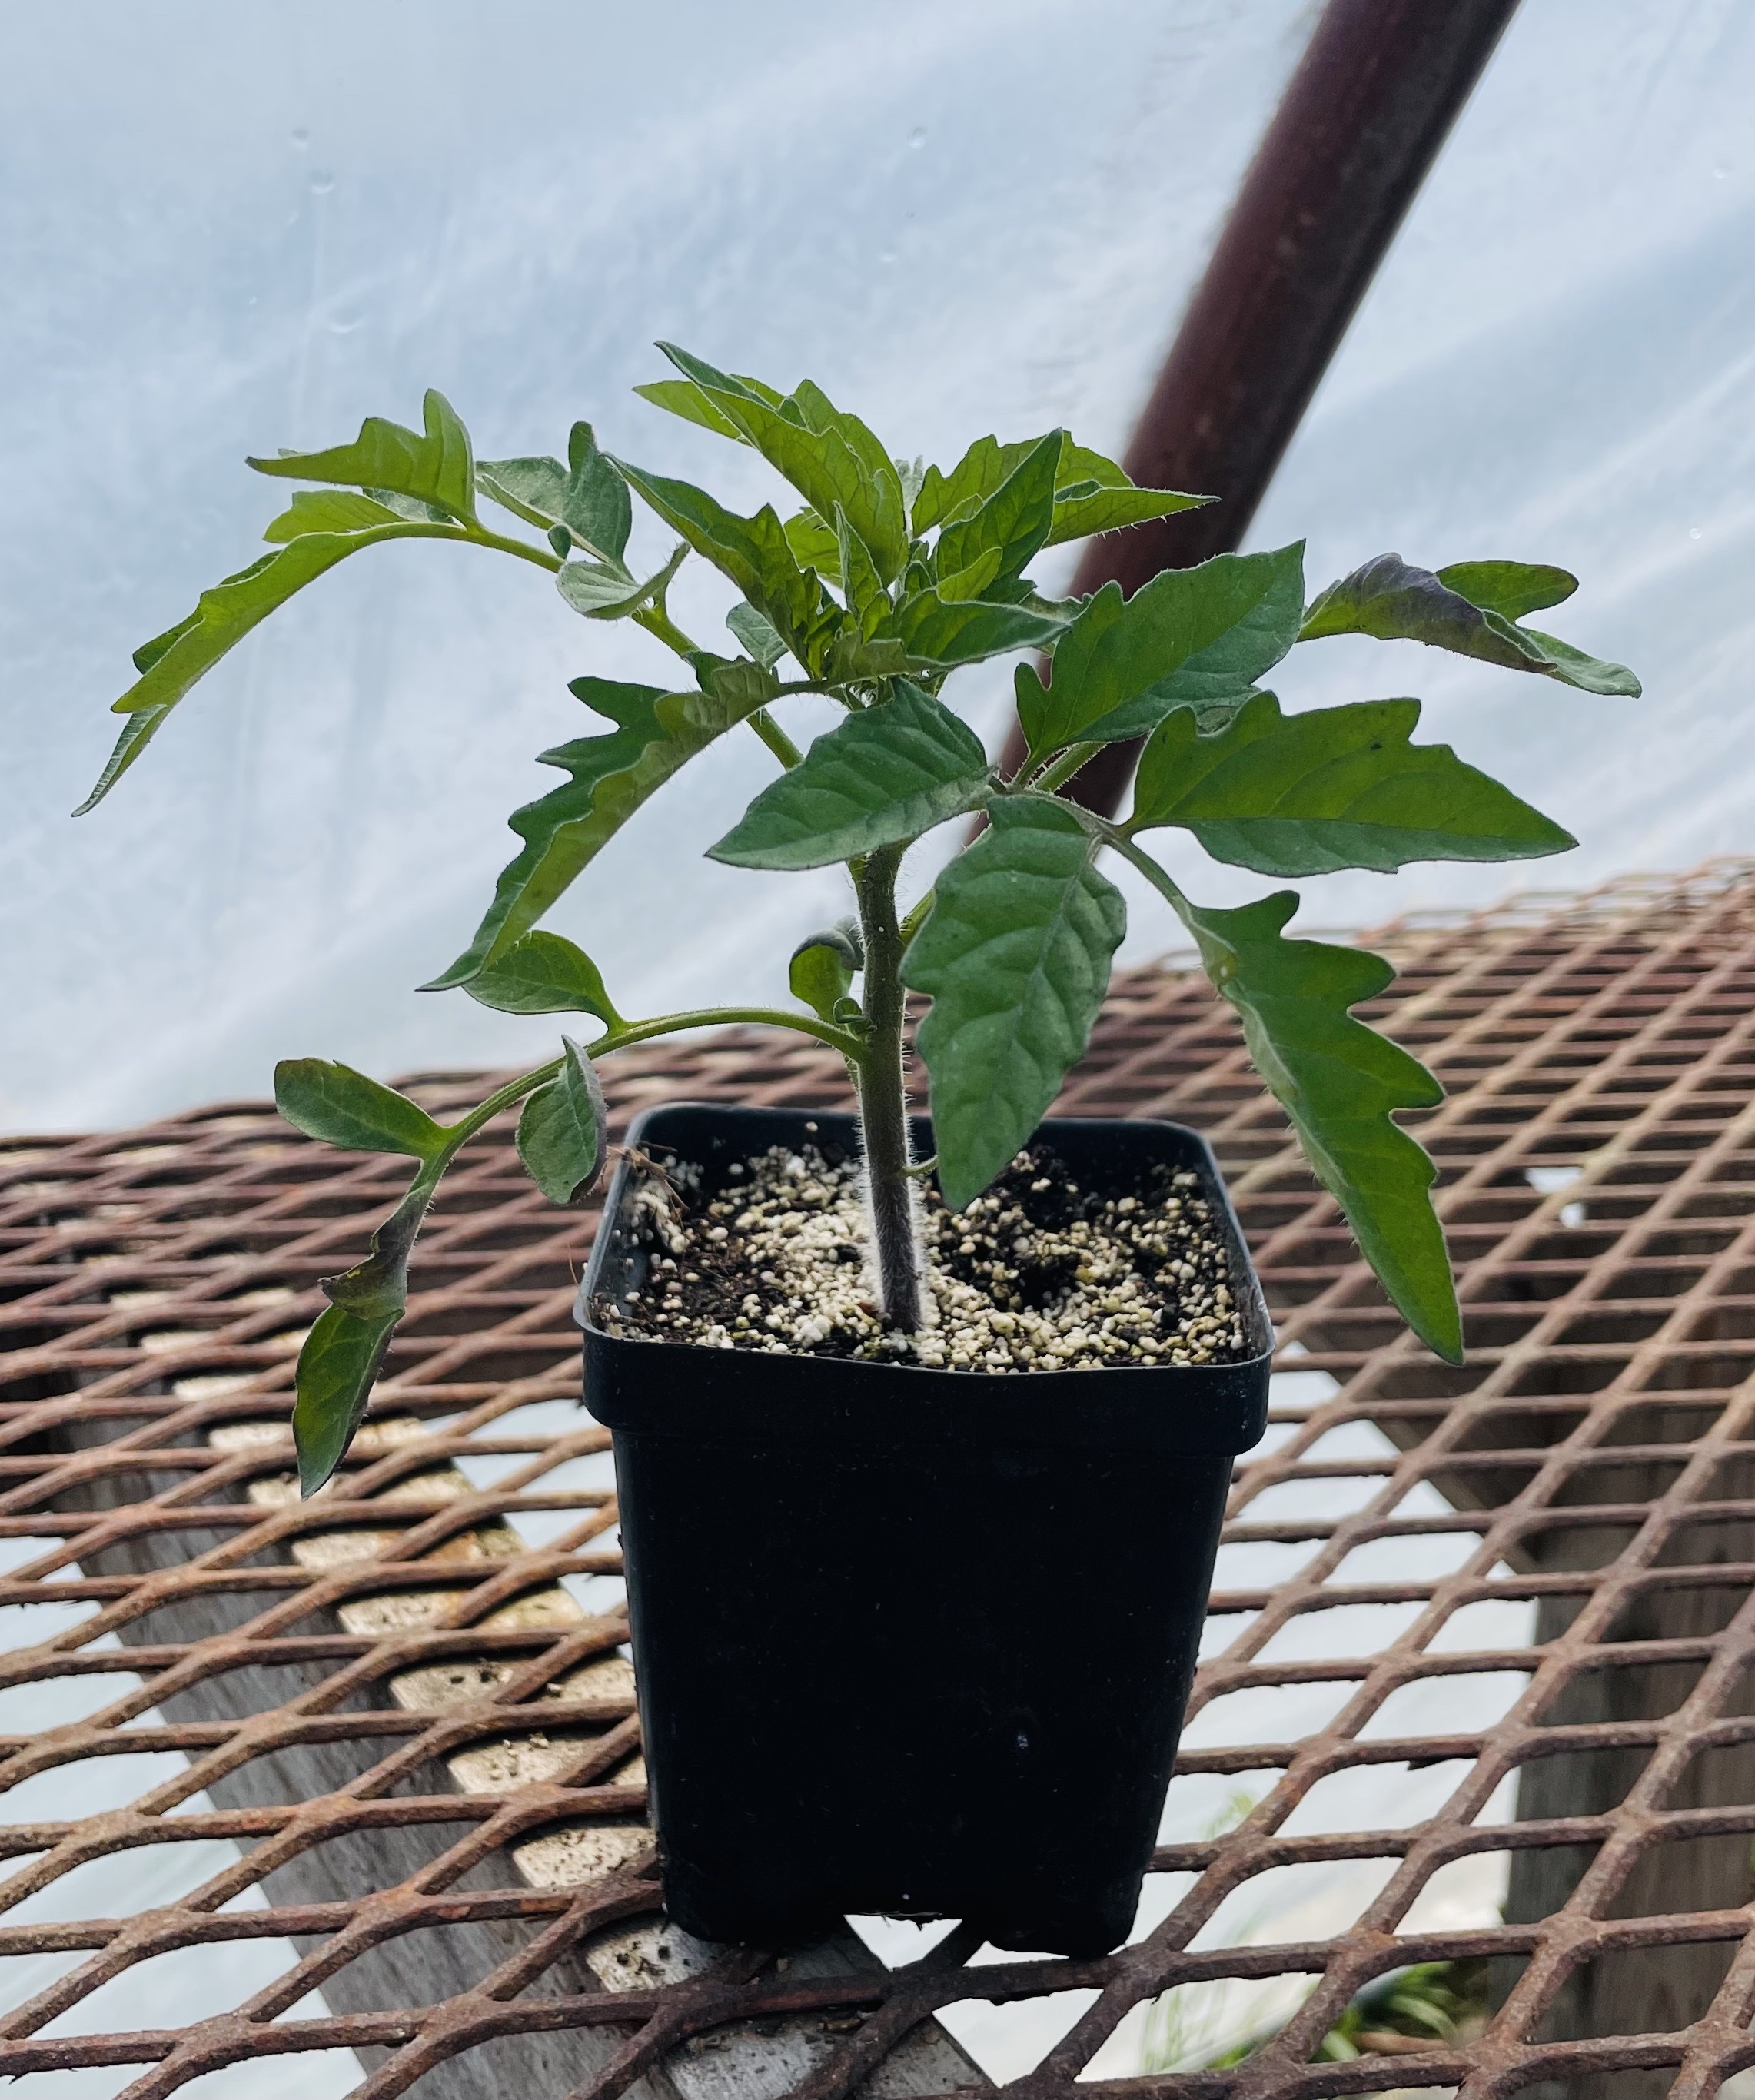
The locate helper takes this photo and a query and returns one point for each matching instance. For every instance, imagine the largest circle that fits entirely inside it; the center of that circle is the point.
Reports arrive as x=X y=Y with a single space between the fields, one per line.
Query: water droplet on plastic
x=886 y=255
x=322 y=180
x=345 y=323
x=1694 y=532
x=917 y=137
x=301 y=138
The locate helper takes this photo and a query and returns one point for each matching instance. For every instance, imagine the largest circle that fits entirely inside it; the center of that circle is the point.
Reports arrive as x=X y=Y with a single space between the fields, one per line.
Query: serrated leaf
x=1510 y=589
x=880 y=777
x=1013 y=522
x=563 y=1131
x=1195 y=638
x=327 y=510
x=823 y=966
x=938 y=632
x=751 y=551
x=436 y=466
x=1093 y=494
x=587 y=497
x=656 y=735
x=1339 y=1082
x=343 y=1107
x=757 y=635
x=945 y=499
x=172 y=662
x=602 y=590
x=1335 y=787
x=830 y=458
x=544 y=973
x=1391 y=600
x=1016 y=954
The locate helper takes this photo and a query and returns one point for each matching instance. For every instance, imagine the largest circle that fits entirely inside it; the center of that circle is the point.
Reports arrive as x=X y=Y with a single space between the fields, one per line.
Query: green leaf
x=1336 y=788
x=562 y=1132
x=823 y=967
x=1339 y=1081
x=814 y=545
x=172 y=662
x=878 y=777
x=1092 y=494
x=327 y=510
x=1510 y=589
x=868 y=601
x=1013 y=522
x=1016 y=954
x=1195 y=638
x=602 y=590
x=1392 y=600
x=344 y=1108
x=137 y=731
x=437 y=467
x=344 y=1349
x=683 y=398
x=751 y=551
x=945 y=499
x=587 y=496
x=940 y=632
x=337 y=1367
x=829 y=456
x=656 y=734
x=544 y=973
x=757 y=635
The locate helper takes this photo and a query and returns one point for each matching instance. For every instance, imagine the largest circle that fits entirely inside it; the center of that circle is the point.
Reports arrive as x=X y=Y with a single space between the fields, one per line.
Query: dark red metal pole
x=1374 y=94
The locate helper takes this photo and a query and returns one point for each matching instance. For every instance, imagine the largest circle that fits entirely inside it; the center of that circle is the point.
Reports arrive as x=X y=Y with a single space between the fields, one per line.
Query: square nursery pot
x=912 y=1642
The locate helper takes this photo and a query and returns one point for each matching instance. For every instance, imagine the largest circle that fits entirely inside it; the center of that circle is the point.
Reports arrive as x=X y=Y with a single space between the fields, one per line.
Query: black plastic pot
x=912 y=1642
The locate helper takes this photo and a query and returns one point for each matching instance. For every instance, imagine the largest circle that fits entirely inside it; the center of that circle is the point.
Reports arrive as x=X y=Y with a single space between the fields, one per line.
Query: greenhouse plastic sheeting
x=227 y=231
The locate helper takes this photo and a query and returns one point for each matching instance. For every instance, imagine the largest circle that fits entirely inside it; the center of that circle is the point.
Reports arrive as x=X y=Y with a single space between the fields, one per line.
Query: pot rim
x=1253 y=1304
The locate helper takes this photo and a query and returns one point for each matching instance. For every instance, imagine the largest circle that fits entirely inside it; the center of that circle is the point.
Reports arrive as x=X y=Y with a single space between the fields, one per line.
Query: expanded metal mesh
x=406 y=1700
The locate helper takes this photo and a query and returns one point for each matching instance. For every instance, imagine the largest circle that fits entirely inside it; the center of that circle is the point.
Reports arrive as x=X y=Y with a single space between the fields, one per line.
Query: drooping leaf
x=172 y=662
x=337 y=1367
x=1511 y=589
x=436 y=466
x=751 y=551
x=757 y=635
x=1394 y=601
x=587 y=496
x=1339 y=1082
x=880 y=777
x=938 y=632
x=344 y=1351
x=1013 y=522
x=1336 y=788
x=656 y=734
x=602 y=590
x=823 y=966
x=327 y=510
x=544 y=973
x=829 y=456
x=563 y=1131
x=1195 y=638
x=1016 y=954
x=343 y=1107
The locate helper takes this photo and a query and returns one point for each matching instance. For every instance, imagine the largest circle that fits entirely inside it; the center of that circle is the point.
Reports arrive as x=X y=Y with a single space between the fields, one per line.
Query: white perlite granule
x=1035 y=1275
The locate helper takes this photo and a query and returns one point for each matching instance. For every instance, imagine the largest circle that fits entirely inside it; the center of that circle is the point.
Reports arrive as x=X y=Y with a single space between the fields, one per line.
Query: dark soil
x=1038 y=1274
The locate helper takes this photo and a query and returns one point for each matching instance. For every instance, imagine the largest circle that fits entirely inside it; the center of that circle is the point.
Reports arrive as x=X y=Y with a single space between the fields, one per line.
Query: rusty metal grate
x=406 y=1702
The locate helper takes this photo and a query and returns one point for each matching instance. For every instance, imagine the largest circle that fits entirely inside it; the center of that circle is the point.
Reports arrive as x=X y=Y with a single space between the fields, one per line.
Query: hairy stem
x=883 y=1097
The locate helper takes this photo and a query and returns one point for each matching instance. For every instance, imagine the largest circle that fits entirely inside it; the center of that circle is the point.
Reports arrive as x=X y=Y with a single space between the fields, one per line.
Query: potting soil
x=1036 y=1275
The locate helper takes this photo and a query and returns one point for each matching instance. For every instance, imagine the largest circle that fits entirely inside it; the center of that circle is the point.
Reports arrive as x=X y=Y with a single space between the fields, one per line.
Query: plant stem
x=1063 y=769
x=882 y=1096
x=775 y=738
